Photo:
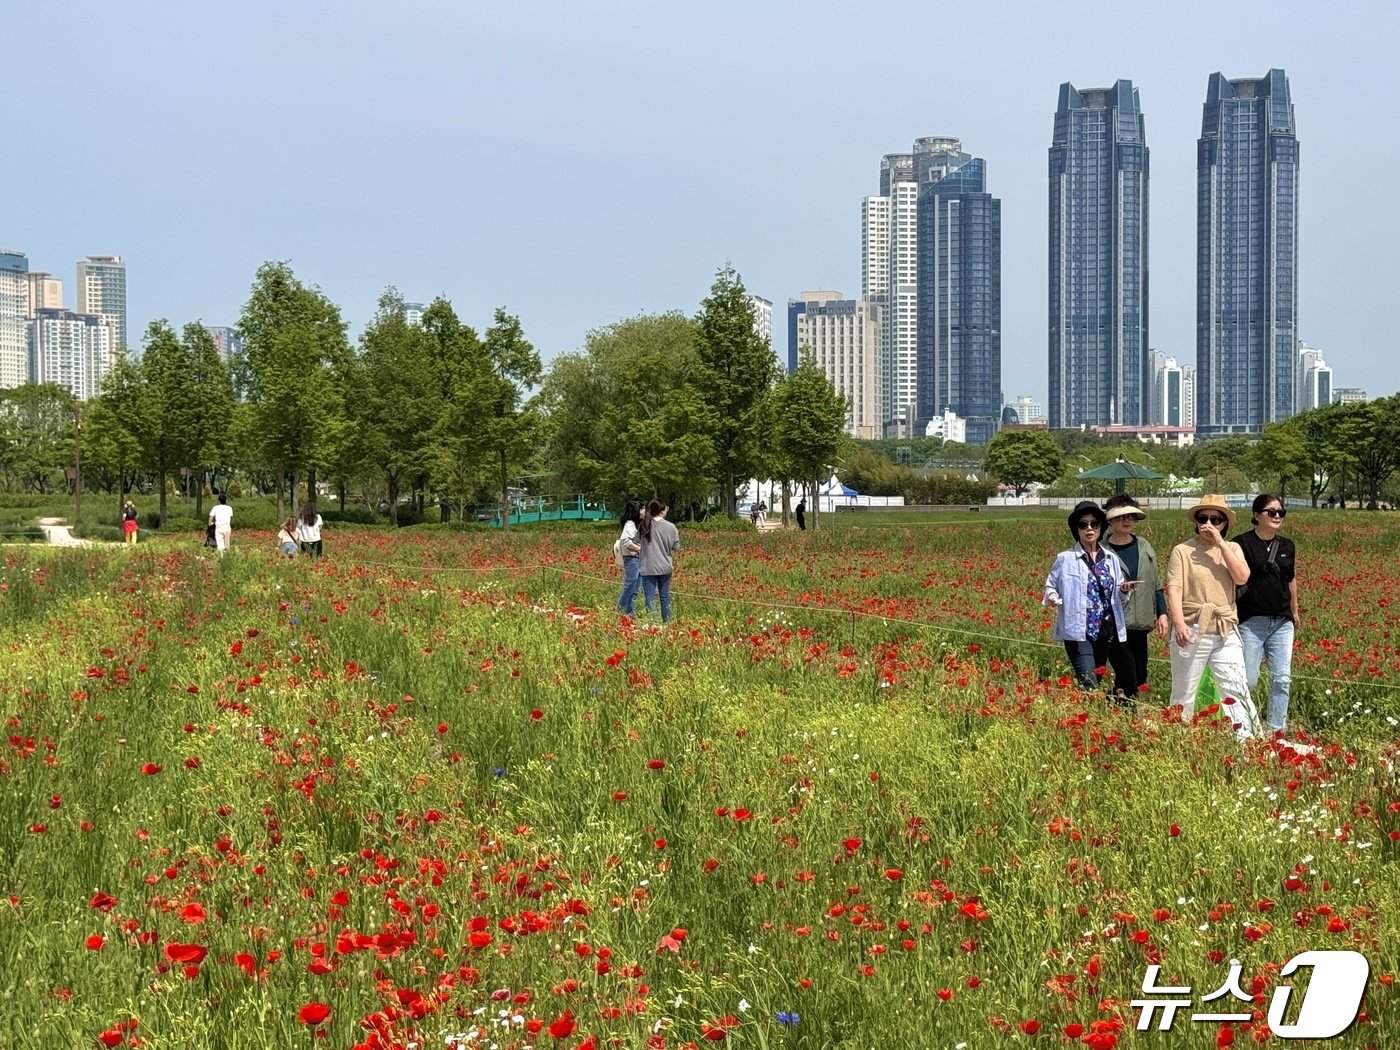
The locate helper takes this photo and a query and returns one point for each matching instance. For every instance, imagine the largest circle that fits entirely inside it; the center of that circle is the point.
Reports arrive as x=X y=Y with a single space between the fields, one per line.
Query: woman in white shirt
x=221 y=517
x=629 y=549
x=309 y=531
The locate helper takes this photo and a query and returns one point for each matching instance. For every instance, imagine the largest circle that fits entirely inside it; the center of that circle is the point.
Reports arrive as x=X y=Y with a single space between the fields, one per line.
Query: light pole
x=77 y=467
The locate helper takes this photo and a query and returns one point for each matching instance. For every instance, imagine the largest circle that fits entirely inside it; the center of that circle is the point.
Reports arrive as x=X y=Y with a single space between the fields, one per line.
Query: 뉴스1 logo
x=1329 y=1007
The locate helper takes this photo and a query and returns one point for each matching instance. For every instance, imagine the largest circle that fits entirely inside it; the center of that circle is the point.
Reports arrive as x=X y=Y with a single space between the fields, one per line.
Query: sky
x=581 y=163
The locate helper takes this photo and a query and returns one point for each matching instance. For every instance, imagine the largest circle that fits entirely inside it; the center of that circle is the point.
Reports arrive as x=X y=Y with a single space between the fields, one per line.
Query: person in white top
x=309 y=531
x=287 y=539
x=221 y=517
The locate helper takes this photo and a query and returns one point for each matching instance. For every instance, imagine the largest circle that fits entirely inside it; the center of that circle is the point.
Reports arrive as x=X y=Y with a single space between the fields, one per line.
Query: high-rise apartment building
x=1314 y=380
x=102 y=291
x=1027 y=409
x=842 y=337
x=1349 y=395
x=889 y=279
x=763 y=325
x=1188 y=396
x=1246 y=255
x=73 y=350
x=1098 y=258
x=958 y=362
x=1166 y=392
x=226 y=340
x=14 y=315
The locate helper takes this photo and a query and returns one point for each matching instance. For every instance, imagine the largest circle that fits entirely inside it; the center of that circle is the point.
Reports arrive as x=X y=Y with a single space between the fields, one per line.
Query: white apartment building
x=1165 y=405
x=889 y=279
x=14 y=316
x=102 y=291
x=1028 y=410
x=1349 y=395
x=950 y=427
x=841 y=335
x=73 y=350
x=1314 y=379
x=1188 y=396
x=763 y=325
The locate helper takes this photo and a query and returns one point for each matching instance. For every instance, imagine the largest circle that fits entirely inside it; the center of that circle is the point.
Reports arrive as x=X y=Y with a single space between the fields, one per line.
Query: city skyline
x=582 y=168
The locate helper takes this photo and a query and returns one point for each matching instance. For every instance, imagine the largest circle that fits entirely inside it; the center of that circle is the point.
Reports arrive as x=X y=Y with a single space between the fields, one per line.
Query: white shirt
x=221 y=515
x=309 y=533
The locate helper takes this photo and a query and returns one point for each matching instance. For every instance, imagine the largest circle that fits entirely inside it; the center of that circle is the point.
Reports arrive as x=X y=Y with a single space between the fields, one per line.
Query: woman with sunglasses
x=1085 y=588
x=1202 y=576
x=1269 y=607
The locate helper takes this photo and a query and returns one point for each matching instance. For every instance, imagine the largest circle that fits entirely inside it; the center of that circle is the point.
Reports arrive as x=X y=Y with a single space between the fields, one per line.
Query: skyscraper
x=1246 y=255
x=45 y=292
x=1314 y=380
x=889 y=279
x=1098 y=258
x=14 y=314
x=1165 y=401
x=226 y=340
x=102 y=291
x=958 y=331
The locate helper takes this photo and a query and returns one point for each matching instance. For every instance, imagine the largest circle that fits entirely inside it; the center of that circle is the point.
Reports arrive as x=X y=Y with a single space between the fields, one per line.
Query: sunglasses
x=1084 y=526
x=1210 y=519
x=1275 y=512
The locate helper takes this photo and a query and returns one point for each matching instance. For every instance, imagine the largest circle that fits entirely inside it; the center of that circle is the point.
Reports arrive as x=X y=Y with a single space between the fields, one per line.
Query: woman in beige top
x=1202 y=575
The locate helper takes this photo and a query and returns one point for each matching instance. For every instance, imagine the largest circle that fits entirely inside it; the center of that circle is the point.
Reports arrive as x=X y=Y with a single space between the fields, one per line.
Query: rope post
x=853 y=628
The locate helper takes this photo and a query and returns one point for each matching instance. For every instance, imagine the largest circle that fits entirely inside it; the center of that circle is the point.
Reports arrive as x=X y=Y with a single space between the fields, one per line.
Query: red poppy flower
x=95 y=942
x=150 y=769
x=656 y=763
x=313 y=1013
x=185 y=954
x=563 y=1026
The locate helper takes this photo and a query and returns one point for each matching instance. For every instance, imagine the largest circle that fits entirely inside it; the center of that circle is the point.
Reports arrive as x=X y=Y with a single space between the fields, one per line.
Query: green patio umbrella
x=1119 y=472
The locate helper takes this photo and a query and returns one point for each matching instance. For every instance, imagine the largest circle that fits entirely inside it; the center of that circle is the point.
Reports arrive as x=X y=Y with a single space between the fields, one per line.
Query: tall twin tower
x=1246 y=257
x=931 y=269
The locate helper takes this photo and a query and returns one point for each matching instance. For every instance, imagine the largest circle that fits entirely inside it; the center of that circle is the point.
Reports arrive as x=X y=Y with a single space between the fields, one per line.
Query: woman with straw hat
x=1203 y=575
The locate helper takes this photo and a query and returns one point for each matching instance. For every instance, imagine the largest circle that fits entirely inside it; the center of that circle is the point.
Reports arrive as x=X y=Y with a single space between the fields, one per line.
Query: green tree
x=167 y=407
x=211 y=421
x=1282 y=452
x=626 y=419
x=457 y=363
x=398 y=404
x=111 y=447
x=1020 y=457
x=738 y=369
x=495 y=419
x=37 y=436
x=295 y=350
x=810 y=416
x=1377 y=452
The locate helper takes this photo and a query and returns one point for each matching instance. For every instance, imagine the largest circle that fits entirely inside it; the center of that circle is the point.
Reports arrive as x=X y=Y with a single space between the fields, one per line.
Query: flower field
x=430 y=792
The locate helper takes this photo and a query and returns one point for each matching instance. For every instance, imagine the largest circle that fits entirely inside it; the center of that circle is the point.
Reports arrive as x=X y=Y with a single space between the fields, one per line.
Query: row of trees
x=1349 y=452
x=664 y=405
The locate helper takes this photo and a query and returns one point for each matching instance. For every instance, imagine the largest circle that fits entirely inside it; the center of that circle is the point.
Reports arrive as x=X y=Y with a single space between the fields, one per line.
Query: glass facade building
x=1246 y=256
x=1098 y=318
x=959 y=291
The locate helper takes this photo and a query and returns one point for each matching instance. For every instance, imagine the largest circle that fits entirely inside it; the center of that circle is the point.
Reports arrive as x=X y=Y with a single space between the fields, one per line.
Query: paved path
x=60 y=535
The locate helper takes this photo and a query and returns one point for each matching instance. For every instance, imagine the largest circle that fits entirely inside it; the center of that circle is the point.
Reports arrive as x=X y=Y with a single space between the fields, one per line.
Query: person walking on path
x=221 y=518
x=1085 y=587
x=130 y=523
x=1203 y=575
x=309 y=531
x=628 y=551
x=1145 y=605
x=1268 y=609
x=660 y=541
x=802 y=514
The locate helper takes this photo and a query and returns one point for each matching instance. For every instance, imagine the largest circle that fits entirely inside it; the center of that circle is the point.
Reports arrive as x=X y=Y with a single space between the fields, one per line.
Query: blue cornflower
x=784 y=1017
x=498 y=772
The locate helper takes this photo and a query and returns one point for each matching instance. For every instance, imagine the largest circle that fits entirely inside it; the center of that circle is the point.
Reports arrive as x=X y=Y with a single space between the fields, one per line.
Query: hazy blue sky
x=583 y=162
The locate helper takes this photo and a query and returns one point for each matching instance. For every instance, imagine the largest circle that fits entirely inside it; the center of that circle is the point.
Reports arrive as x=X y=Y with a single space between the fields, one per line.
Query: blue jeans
x=1086 y=657
x=1270 y=638
x=631 y=584
x=654 y=585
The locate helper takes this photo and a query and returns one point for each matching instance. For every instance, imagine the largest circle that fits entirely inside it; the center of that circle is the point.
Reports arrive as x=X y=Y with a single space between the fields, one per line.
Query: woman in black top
x=1146 y=603
x=1269 y=605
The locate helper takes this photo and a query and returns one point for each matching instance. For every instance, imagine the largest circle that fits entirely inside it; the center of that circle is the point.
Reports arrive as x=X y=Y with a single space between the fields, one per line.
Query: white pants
x=221 y=538
x=1225 y=658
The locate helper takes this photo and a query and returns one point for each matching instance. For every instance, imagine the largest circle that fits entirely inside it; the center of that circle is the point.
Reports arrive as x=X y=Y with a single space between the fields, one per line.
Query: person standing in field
x=802 y=514
x=221 y=518
x=1085 y=587
x=1202 y=577
x=130 y=522
x=309 y=531
x=1268 y=609
x=1146 y=603
x=660 y=541
x=628 y=550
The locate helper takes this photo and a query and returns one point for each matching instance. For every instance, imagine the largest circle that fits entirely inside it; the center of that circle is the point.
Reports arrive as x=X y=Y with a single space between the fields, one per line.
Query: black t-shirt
x=1267 y=592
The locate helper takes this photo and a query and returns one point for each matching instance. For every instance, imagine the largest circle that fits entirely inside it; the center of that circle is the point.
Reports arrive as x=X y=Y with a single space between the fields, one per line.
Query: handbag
x=617 y=552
